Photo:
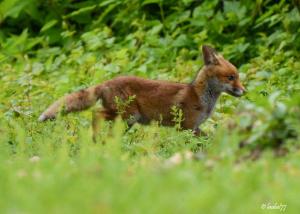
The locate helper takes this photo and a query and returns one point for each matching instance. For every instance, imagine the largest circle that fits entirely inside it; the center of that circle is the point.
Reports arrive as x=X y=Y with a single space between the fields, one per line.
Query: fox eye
x=231 y=77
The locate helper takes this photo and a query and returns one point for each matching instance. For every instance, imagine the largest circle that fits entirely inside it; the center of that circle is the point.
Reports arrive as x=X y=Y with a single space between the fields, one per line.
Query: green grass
x=54 y=167
x=74 y=175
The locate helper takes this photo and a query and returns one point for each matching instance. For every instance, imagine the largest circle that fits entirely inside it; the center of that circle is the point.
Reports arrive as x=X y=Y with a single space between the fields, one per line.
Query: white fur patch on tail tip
x=42 y=118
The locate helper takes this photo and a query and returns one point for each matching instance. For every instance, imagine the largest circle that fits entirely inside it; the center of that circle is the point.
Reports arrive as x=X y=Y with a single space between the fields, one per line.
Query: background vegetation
x=52 y=47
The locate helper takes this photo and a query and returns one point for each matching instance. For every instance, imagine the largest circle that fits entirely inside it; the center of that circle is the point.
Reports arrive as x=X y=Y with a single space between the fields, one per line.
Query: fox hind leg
x=131 y=116
x=98 y=115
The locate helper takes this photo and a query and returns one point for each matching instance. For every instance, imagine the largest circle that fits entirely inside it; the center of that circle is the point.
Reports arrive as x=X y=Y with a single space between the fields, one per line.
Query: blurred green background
x=250 y=160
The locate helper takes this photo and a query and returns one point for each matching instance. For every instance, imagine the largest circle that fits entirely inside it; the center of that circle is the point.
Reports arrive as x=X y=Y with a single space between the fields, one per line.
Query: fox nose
x=243 y=89
x=239 y=91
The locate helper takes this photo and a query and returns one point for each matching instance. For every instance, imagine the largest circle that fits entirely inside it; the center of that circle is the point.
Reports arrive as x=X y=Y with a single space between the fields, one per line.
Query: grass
x=54 y=167
x=58 y=170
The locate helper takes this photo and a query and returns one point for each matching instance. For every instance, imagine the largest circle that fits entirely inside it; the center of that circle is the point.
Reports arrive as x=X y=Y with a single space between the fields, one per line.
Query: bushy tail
x=76 y=101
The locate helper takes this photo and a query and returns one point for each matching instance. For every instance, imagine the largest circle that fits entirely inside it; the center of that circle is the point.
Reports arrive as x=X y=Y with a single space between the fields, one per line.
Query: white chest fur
x=207 y=101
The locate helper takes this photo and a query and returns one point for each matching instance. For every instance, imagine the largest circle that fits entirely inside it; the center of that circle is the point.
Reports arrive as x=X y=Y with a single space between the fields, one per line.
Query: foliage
x=49 y=48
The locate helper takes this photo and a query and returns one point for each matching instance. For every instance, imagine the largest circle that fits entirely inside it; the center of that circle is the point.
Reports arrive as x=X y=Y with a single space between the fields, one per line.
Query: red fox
x=154 y=99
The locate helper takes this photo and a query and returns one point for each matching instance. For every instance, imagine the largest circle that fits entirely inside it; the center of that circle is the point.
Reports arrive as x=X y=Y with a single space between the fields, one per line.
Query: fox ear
x=209 y=55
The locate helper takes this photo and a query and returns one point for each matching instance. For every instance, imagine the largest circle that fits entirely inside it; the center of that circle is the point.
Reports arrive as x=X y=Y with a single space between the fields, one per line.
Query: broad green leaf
x=151 y=2
x=49 y=25
x=80 y=11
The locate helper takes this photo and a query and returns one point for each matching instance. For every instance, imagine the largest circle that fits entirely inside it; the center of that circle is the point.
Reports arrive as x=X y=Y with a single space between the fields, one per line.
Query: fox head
x=221 y=73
